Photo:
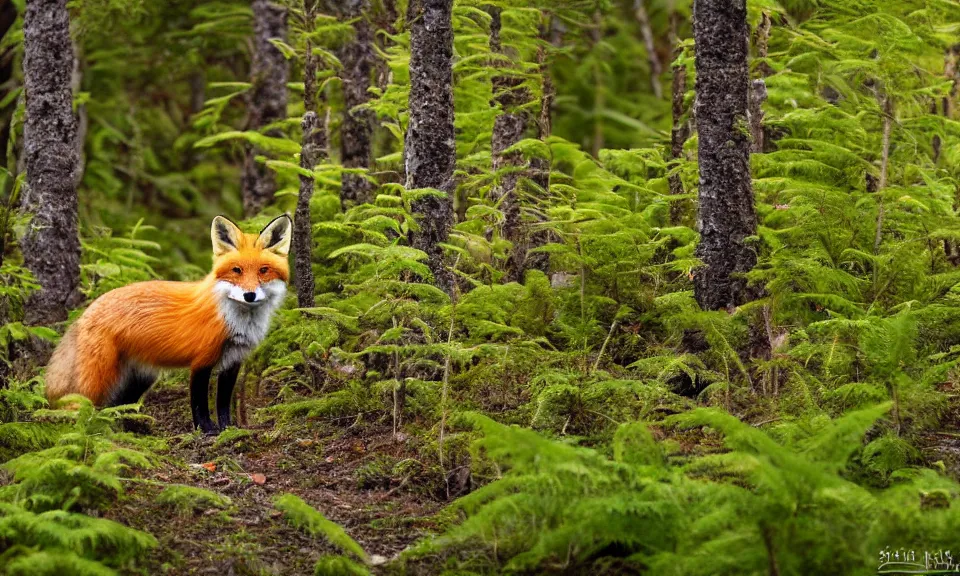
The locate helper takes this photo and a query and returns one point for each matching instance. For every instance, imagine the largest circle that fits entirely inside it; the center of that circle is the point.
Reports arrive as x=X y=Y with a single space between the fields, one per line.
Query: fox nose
x=249 y=296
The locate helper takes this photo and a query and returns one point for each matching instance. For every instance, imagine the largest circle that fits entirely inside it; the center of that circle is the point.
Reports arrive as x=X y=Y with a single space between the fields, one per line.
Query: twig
x=604 y=347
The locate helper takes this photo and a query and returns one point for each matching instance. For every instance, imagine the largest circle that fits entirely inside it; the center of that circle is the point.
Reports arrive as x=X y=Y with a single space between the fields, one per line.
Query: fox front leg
x=199 y=403
x=225 y=383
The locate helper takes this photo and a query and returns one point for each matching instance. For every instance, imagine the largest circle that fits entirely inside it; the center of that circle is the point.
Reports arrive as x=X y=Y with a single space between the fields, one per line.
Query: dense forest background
x=580 y=286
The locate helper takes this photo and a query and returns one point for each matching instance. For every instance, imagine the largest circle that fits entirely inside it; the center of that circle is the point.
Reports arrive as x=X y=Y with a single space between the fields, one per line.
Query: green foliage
x=60 y=542
x=726 y=513
x=233 y=437
x=337 y=565
x=301 y=515
x=190 y=500
x=81 y=471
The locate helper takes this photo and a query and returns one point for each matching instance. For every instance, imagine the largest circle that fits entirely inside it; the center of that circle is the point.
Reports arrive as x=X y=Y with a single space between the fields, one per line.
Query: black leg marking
x=135 y=383
x=225 y=382
x=199 y=386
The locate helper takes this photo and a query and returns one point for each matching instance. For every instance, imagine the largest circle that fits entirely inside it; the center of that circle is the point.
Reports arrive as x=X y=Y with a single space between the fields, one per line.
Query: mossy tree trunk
x=726 y=216
x=51 y=245
x=429 y=145
x=267 y=100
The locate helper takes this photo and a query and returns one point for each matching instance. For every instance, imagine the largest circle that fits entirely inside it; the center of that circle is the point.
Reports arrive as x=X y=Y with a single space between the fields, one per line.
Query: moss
x=188 y=500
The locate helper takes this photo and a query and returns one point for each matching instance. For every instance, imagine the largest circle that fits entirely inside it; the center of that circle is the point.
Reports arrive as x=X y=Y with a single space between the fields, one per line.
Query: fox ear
x=275 y=236
x=225 y=236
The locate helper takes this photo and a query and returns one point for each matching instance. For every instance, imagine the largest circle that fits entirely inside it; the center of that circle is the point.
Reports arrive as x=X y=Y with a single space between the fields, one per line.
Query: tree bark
x=762 y=42
x=51 y=245
x=267 y=100
x=76 y=84
x=758 y=88
x=726 y=214
x=678 y=133
x=599 y=89
x=758 y=94
x=312 y=149
x=357 y=58
x=429 y=145
x=310 y=153
x=540 y=167
x=508 y=129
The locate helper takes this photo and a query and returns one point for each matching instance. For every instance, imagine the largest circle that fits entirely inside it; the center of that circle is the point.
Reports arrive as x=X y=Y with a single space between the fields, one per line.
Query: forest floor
x=343 y=471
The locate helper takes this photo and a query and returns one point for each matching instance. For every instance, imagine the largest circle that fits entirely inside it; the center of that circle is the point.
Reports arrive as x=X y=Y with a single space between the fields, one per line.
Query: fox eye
x=264 y=269
x=237 y=270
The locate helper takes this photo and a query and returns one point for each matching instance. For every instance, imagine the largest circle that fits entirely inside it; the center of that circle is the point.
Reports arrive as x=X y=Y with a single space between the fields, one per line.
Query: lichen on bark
x=429 y=144
x=727 y=216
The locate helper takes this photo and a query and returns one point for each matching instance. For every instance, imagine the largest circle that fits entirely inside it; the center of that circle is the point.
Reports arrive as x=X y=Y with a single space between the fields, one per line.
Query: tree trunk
x=951 y=70
x=310 y=153
x=726 y=213
x=51 y=245
x=312 y=149
x=599 y=89
x=758 y=88
x=640 y=11
x=357 y=58
x=678 y=134
x=429 y=145
x=508 y=129
x=8 y=15
x=267 y=100
x=76 y=84
x=758 y=95
x=540 y=167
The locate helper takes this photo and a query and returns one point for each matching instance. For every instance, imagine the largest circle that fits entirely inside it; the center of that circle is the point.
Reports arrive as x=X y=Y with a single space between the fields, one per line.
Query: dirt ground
x=343 y=470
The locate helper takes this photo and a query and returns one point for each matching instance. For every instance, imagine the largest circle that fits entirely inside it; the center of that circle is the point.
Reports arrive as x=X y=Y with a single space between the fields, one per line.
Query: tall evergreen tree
x=727 y=216
x=268 y=99
x=429 y=145
x=51 y=245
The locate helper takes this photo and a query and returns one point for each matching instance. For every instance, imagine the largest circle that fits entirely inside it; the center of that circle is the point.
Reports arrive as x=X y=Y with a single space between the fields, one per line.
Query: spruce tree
x=51 y=245
x=429 y=144
x=267 y=101
x=726 y=217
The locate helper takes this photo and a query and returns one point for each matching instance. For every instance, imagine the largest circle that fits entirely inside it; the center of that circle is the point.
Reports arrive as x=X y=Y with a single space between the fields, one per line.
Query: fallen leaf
x=258 y=478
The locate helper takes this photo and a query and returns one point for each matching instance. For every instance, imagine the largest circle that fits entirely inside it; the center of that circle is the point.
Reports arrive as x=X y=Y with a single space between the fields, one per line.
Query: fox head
x=251 y=269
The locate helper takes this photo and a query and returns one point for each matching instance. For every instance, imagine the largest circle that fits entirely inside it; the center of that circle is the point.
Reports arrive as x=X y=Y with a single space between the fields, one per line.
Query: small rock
x=377 y=560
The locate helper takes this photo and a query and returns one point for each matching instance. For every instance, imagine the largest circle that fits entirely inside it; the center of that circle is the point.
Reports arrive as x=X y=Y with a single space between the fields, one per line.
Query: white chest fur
x=247 y=323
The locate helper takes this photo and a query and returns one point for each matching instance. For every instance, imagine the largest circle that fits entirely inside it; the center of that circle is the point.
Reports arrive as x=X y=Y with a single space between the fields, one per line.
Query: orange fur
x=158 y=323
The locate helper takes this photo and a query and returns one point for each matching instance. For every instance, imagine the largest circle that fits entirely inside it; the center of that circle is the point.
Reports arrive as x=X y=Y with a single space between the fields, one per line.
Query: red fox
x=112 y=352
